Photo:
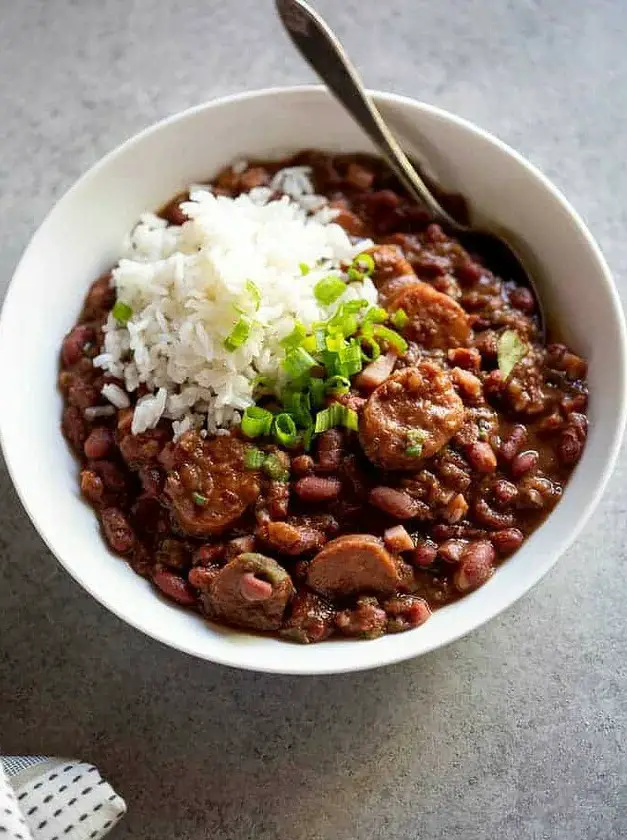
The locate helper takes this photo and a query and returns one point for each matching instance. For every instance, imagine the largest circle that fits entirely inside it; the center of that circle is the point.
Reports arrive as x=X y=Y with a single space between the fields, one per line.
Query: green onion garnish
x=337 y=385
x=274 y=469
x=334 y=342
x=364 y=263
x=238 y=335
x=414 y=451
x=316 y=392
x=199 y=499
x=253 y=458
x=298 y=404
x=254 y=292
x=295 y=338
x=256 y=422
x=122 y=312
x=284 y=430
x=391 y=337
x=349 y=361
x=336 y=415
x=375 y=315
x=298 y=362
x=263 y=386
x=354 y=274
x=373 y=350
x=304 y=268
x=400 y=319
x=329 y=289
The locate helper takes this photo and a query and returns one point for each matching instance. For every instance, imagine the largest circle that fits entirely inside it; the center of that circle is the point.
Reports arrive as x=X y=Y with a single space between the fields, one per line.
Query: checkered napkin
x=55 y=799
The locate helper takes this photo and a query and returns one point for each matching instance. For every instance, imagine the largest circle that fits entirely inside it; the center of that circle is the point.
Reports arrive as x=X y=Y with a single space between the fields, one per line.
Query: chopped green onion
x=391 y=337
x=274 y=469
x=400 y=319
x=298 y=404
x=307 y=436
x=336 y=415
x=354 y=306
x=253 y=458
x=316 y=392
x=304 y=268
x=122 y=312
x=354 y=275
x=416 y=435
x=334 y=342
x=199 y=499
x=298 y=362
x=256 y=421
x=254 y=292
x=349 y=360
x=295 y=338
x=337 y=385
x=263 y=386
x=284 y=430
x=375 y=350
x=364 y=263
x=329 y=289
x=238 y=335
x=414 y=451
x=375 y=315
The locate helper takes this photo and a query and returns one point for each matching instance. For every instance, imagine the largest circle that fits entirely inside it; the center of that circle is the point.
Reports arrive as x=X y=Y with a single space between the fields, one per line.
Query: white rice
x=186 y=287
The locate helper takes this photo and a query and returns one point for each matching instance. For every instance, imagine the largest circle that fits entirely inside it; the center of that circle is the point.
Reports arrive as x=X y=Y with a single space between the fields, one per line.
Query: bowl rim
x=230 y=659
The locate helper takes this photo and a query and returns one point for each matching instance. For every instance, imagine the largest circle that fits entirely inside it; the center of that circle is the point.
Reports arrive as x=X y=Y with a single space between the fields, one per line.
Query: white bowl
x=81 y=238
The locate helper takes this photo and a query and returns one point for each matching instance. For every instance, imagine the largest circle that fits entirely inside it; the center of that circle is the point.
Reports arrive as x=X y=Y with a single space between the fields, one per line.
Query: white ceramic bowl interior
x=82 y=237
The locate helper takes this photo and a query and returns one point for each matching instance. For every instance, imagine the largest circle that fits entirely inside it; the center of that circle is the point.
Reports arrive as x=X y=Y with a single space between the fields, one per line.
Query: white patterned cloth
x=55 y=799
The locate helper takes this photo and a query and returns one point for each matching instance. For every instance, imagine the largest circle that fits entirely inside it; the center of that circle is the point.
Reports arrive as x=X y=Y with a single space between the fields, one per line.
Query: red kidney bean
x=99 y=443
x=452 y=551
x=569 y=448
x=83 y=394
x=313 y=488
x=253 y=588
x=74 y=343
x=397 y=539
x=112 y=476
x=524 y=463
x=424 y=554
x=522 y=298
x=151 y=481
x=504 y=492
x=330 y=446
x=511 y=446
x=360 y=177
x=174 y=587
x=117 y=531
x=481 y=456
x=492 y=519
x=405 y=612
x=507 y=541
x=476 y=566
x=576 y=403
x=396 y=503
x=74 y=428
x=302 y=465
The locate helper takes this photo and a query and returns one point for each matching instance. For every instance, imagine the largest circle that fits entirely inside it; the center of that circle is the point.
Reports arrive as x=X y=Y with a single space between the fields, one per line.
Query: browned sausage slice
x=251 y=591
x=211 y=488
x=417 y=405
x=437 y=322
x=354 y=563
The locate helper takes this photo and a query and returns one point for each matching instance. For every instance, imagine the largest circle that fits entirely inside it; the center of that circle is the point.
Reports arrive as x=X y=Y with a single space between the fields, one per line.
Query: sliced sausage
x=414 y=404
x=251 y=591
x=351 y=564
x=212 y=488
x=292 y=539
x=437 y=322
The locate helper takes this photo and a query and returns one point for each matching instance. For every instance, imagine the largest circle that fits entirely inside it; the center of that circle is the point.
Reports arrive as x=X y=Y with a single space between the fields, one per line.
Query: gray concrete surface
x=517 y=732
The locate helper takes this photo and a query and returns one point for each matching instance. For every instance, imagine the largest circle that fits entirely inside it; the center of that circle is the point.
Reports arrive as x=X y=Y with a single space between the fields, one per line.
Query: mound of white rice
x=188 y=286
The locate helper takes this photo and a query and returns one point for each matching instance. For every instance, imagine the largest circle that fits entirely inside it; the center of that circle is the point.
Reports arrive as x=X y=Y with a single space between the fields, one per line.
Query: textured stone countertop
x=517 y=732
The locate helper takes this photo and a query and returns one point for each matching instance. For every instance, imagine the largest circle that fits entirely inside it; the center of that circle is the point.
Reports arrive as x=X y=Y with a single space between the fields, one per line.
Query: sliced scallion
x=375 y=315
x=304 y=268
x=364 y=263
x=284 y=430
x=199 y=499
x=400 y=319
x=295 y=338
x=238 y=335
x=337 y=385
x=298 y=362
x=253 y=458
x=391 y=337
x=256 y=421
x=329 y=289
x=122 y=312
x=254 y=293
x=274 y=469
x=370 y=350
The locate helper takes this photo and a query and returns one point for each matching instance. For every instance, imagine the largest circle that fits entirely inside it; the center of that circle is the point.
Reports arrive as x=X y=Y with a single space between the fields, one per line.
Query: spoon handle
x=323 y=52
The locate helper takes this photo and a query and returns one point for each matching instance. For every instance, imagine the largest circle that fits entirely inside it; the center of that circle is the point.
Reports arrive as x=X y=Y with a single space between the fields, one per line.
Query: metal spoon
x=322 y=50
